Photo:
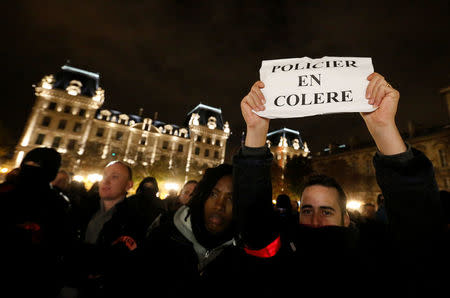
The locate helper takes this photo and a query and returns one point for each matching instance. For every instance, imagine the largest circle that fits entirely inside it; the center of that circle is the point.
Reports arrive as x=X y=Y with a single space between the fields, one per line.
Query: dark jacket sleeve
x=411 y=196
x=253 y=209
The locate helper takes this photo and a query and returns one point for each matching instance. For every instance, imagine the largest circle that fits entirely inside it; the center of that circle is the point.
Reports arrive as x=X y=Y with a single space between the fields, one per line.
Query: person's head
x=117 y=180
x=323 y=203
x=187 y=191
x=211 y=206
x=368 y=210
x=283 y=204
x=40 y=165
x=62 y=180
x=148 y=184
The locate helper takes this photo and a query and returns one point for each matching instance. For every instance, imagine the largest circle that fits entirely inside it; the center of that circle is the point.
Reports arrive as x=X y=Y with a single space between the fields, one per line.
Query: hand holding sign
x=381 y=98
x=303 y=87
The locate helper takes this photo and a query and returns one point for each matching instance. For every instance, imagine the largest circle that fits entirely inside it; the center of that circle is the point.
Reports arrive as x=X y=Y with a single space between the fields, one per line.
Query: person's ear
x=129 y=184
x=346 y=219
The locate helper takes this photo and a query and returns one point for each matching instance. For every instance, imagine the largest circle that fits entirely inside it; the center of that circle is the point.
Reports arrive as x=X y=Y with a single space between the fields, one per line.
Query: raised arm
x=381 y=122
x=253 y=207
x=405 y=175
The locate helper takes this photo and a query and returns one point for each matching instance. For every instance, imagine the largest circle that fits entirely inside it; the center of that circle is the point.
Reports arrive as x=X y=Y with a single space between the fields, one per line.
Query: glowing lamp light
x=354 y=205
x=4 y=170
x=172 y=186
x=94 y=177
x=78 y=178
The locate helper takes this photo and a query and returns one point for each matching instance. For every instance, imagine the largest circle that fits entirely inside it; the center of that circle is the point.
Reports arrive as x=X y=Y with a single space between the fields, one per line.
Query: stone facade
x=68 y=116
x=353 y=168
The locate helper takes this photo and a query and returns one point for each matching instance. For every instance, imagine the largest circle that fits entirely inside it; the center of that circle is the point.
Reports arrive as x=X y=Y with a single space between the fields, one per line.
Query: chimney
x=156 y=116
x=141 y=111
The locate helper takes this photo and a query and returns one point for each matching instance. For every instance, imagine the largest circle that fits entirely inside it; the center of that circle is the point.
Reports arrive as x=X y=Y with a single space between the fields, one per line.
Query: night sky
x=168 y=56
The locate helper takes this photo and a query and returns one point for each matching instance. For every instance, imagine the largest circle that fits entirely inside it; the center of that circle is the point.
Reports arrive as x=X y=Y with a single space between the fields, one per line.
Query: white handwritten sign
x=301 y=87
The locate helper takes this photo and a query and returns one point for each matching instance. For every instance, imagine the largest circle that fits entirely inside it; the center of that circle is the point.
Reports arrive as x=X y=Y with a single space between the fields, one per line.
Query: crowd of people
x=222 y=235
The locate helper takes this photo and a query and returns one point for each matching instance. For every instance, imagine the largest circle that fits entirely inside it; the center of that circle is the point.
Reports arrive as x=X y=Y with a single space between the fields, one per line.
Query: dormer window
x=212 y=122
x=123 y=119
x=104 y=115
x=74 y=87
x=168 y=129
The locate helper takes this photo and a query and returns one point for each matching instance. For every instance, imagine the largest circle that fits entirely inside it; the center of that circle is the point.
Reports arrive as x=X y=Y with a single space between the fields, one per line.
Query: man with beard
x=325 y=255
x=187 y=251
x=34 y=223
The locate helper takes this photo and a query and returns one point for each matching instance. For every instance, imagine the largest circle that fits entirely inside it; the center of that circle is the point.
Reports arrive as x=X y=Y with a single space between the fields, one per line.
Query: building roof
x=89 y=80
x=289 y=134
x=205 y=112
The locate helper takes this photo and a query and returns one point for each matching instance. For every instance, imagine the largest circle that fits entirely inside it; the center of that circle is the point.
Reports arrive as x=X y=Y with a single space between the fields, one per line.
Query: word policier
x=316 y=98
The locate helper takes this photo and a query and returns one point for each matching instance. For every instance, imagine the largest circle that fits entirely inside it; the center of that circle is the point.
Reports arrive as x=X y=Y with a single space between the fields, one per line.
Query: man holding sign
x=322 y=254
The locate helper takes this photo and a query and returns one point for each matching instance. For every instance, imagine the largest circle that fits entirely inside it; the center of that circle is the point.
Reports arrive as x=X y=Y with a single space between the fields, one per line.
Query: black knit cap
x=197 y=207
x=48 y=159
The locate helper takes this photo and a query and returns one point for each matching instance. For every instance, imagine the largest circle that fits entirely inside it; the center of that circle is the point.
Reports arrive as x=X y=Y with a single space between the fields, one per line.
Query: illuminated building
x=68 y=116
x=286 y=143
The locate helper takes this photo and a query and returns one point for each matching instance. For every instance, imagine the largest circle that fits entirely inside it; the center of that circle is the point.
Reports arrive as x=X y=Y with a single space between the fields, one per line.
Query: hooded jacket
x=179 y=254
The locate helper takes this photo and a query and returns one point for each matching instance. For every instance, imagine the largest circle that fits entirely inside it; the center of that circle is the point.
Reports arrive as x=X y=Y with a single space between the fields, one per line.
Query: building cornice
x=85 y=102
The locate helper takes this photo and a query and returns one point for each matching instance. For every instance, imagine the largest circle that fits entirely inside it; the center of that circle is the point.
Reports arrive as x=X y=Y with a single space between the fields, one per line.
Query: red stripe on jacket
x=266 y=252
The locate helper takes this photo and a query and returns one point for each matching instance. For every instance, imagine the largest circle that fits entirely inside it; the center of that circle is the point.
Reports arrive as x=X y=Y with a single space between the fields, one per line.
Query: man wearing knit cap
x=34 y=222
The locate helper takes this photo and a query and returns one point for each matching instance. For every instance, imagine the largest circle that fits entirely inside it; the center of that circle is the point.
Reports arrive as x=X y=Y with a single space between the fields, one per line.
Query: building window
x=119 y=136
x=199 y=138
x=165 y=145
x=46 y=121
x=443 y=157
x=217 y=142
x=180 y=148
x=197 y=151
x=77 y=127
x=208 y=140
x=206 y=152
x=143 y=141
x=71 y=144
x=67 y=109
x=52 y=106
x=100 y=132
x=82 y=112
x=56 y=142
x=40 y=139
x=216 y=154
x=62 y=124
x=146 y=126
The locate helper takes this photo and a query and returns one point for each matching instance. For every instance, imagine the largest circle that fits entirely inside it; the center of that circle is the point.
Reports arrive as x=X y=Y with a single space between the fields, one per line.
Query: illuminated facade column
x=28 y=132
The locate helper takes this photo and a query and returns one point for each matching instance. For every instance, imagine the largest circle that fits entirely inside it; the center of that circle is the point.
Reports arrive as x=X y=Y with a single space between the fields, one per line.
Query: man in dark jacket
x=35 y=227
x=110 y=232
x=188 y=252
x=324 y=256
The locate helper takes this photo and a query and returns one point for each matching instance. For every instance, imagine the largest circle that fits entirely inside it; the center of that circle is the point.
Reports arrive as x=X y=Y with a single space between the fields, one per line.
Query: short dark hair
x=328 y=181
x=152 y=180
x=126 y=166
